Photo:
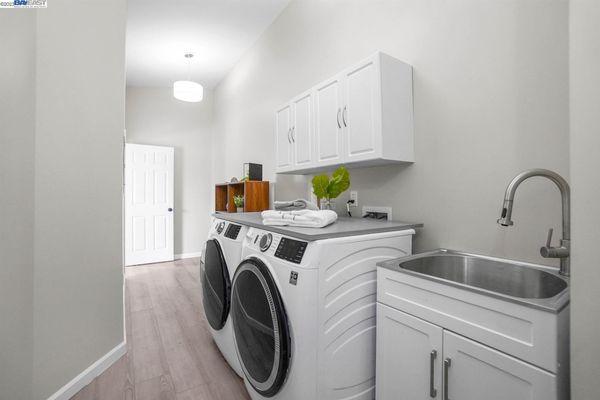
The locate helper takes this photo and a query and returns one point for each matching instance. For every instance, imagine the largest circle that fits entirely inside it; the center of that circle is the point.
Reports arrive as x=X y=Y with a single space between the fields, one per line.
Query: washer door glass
x=260 y=326
x=216 y=285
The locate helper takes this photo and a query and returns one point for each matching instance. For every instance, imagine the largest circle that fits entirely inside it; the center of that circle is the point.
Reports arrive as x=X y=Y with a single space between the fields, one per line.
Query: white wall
x=78 y=277
x=585 y=171
x=491 y=99
x=155 y=117
x=17 y=131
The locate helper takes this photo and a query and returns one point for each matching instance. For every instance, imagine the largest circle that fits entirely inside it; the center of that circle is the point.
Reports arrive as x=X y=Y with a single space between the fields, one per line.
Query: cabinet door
x=409 y=351
x=361 y=114
x=328 y=122
x=302 y=130
x=283 y=138
x=478 y=372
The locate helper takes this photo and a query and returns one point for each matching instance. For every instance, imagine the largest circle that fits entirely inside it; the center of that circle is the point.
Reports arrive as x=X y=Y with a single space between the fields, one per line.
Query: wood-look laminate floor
x=170 y=352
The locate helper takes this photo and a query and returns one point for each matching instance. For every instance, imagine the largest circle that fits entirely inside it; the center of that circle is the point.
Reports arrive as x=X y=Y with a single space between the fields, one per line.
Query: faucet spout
x=562 y=252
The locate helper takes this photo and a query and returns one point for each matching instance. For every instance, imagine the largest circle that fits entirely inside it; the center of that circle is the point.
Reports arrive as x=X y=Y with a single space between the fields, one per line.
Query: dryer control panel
x=290 y=250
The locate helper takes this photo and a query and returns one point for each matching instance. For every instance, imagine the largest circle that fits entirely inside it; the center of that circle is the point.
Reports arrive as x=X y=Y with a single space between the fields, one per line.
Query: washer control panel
x=233 y=231
x=291 y=250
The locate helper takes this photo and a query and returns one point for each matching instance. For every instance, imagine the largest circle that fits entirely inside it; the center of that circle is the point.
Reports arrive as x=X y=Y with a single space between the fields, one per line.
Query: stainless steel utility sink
x=535 y=285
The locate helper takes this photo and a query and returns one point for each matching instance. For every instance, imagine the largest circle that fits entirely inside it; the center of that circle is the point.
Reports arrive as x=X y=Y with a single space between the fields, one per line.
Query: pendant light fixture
x=189 y=90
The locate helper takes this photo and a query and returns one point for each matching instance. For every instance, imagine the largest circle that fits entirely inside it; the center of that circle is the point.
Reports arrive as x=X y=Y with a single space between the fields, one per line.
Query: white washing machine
x=304 y=313
x=221 y=255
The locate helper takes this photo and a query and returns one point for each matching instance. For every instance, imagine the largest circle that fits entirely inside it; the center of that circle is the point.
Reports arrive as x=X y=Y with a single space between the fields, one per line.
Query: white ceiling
x=218 y=32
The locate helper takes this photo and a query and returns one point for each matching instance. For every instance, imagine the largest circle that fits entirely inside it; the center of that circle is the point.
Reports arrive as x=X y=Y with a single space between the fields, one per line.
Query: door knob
x=170 y=209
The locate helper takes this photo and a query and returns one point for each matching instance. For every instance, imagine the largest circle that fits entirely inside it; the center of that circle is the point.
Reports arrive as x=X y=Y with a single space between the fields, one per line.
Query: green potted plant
x=238 y=200
x=328 y=188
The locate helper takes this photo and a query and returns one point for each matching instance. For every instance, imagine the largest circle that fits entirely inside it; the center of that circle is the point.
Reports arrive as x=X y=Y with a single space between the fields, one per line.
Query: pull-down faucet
x=547 y=251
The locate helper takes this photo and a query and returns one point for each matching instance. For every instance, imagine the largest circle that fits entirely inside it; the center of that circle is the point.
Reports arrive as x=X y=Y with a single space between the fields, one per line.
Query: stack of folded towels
x=298 y=204
x=301 y=218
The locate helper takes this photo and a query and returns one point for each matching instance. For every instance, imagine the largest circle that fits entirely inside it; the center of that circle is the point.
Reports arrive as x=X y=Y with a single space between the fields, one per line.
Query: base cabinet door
x=409 y=351
x=473 y=371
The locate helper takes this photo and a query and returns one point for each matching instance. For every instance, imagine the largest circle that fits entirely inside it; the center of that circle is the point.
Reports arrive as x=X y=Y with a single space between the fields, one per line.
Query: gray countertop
x=344 y=226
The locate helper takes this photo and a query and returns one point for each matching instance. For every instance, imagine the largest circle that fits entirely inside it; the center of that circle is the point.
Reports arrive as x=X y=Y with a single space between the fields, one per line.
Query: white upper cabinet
x=302 y=130
x=283 y=138
x=328 y=122
x=362 y=116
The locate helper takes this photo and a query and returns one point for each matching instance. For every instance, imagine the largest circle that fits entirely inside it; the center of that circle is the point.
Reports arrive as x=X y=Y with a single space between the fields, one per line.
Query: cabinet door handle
x=338 y=118
x=293 y=137
x=432 y=357
x=289 y=137
x=344 y=115
x=447 y=364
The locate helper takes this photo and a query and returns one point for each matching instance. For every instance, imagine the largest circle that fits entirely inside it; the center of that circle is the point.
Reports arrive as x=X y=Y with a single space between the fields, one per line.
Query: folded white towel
x=298 y=204
x=301 y=218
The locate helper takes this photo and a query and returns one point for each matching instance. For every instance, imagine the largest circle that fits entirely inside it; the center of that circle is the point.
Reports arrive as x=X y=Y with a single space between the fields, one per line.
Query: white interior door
x=149 y=185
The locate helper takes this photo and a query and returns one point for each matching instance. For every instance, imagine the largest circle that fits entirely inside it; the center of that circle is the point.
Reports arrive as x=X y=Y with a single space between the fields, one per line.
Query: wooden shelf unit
x=256 y=196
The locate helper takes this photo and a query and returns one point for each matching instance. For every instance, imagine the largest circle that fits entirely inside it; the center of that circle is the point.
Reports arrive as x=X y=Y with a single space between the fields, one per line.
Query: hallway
x=170 y=353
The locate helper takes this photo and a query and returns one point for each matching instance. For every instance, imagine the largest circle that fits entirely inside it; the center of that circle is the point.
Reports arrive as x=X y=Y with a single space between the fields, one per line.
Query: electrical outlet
x=354 y=196
x=366 y=210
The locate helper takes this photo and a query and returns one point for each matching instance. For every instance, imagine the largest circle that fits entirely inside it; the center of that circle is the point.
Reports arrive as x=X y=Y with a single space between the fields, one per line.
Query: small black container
x=253 y=171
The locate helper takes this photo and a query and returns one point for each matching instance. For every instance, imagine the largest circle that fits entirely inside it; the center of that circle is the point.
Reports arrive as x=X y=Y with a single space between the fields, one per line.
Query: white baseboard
x=187 y=255
x=87 y=376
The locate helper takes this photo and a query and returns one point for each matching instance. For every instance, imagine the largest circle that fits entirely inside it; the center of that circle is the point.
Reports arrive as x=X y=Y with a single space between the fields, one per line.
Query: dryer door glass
x=216 y=285
x=260 y=326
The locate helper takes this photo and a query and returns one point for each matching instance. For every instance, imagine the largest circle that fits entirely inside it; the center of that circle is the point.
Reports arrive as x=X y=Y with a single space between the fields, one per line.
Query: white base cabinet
x=409 y=351
x=362 y=116
x=419 y=360
x=473 y=371
x=440 y=341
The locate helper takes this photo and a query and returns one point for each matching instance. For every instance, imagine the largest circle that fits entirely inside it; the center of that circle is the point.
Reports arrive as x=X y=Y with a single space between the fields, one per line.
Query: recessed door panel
x=283 y=138
x=139 y=233
x=409 y=353
x=160 y=187
x=478 y=372
x=139 y=186
x=160 y=232
x=302 y=130
x=359 y=114
x=328 y=122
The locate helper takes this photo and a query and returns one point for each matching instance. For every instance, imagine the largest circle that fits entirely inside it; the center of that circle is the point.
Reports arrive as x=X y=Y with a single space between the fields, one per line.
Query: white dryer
x=221 y=256
x=304 y=313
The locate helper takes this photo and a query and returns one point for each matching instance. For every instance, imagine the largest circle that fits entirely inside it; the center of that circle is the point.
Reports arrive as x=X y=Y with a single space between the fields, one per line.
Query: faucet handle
x=549 y=239
x=553 y=252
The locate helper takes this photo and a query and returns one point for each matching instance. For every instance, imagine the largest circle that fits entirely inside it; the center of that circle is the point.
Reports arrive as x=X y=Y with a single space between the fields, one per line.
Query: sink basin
x=534 y=285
